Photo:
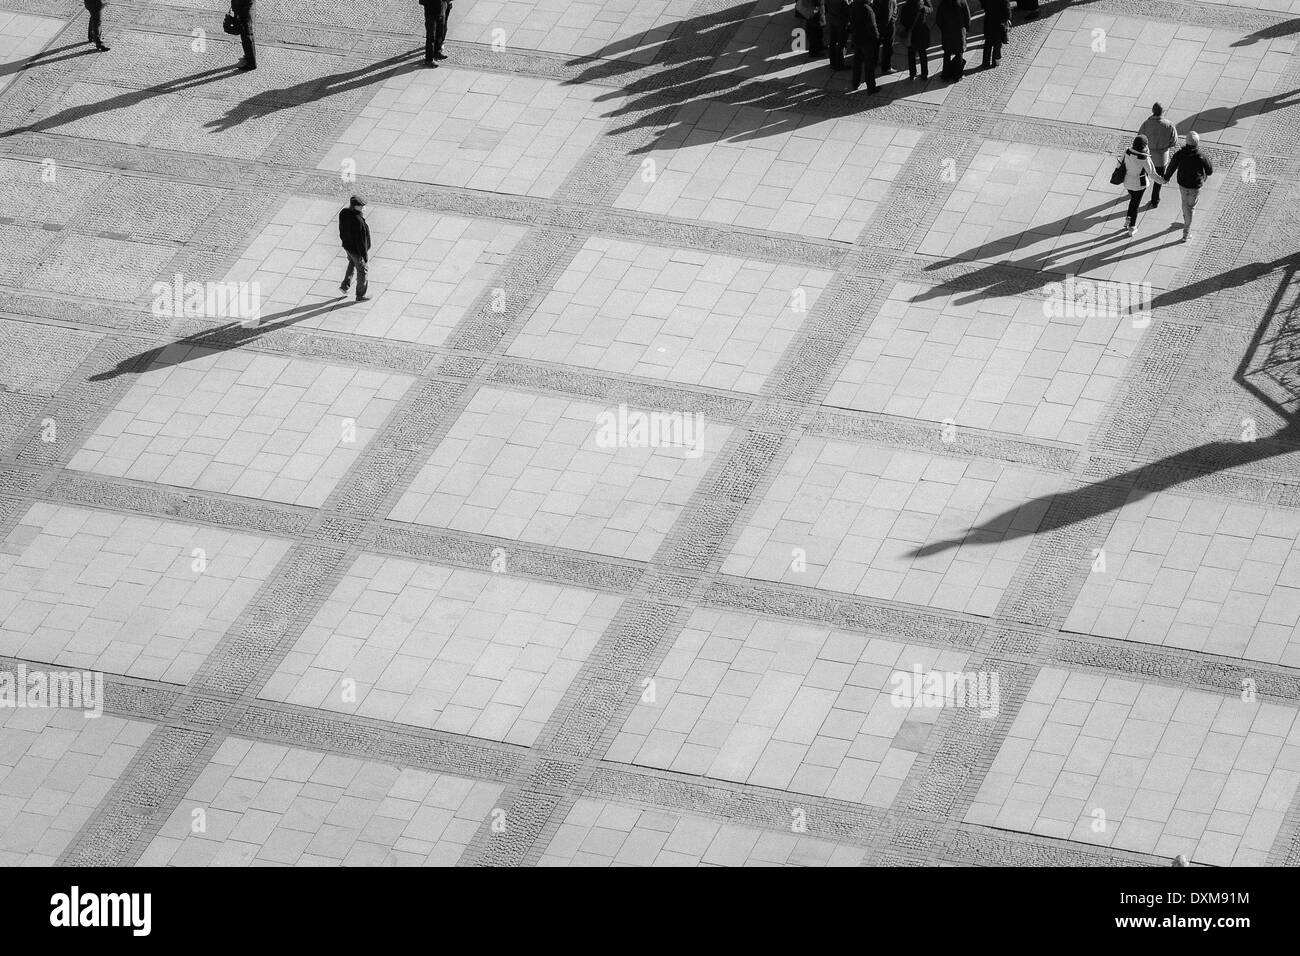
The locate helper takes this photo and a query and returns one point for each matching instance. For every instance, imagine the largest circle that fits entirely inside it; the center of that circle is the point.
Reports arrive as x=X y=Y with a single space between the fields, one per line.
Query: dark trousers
x=358 y=264
x=816 y=46
x=992 y=51
x=246 y=41
x=952 y=53
x=886 y=46
x=1155 y=184
x=436 y=16
x=1134 y=200
x=92 y=32
x=919 y=54
x=864 y=64
x=835 y=42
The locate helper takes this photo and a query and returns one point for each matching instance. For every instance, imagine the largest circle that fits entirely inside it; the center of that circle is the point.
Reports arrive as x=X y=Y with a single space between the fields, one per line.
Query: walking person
x=436 y=15
x=1162 y=138
x=243 y=12
x=886 y=12
x=997 y=26
x=96 y=9
x=354 y=234
x=952 y=17
x=1137 y=170
x=1192 y=168
x=913 y=21
x=866 y=43
x=835 y=18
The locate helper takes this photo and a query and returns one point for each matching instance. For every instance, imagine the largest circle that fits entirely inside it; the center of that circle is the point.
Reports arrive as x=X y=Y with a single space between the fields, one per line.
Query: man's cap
x=358 y=201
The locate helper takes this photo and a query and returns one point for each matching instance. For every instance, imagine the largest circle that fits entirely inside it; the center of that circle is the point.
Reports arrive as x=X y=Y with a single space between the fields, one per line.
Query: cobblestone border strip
x=986 y=846
x=918 y=435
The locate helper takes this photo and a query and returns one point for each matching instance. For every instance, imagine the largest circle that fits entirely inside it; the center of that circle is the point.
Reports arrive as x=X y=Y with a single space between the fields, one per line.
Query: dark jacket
x=997 y=19
x=952 y=17
x=242 y=9
x=354 y=231
x=885 y=11
x=94 y=6
x=914 y=22
x=1192 y=166
x=862 y=23
x=836 y=13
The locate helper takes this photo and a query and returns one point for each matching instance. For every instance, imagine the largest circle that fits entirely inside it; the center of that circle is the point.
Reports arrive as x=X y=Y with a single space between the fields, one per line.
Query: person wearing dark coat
x=886 y=13
x=914 y=26
x=354 y=234
x=436 y=15
x=96 y=9
x=952 y=17
x=835 y=16
x=997 y=24
x=866 y=43
x=243 y=11
x=1192 y=167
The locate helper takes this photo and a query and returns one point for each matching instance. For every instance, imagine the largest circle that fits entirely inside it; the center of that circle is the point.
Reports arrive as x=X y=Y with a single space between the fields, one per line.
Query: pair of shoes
x=363 y=298
x=1155 y=203
x=430 y=64
x=439 y=55
x=1188 y=236
x=248 y=66
x=343 y=287
x=911 y=76
x=101 y=48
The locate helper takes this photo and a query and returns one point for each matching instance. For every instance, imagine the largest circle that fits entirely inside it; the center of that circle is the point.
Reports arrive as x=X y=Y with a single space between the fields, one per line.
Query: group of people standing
x=1153 y=158
x=874 y=27
x=240 y=22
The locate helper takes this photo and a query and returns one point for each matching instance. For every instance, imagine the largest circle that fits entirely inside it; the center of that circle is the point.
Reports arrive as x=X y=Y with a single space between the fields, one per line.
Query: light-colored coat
x=1134 y=163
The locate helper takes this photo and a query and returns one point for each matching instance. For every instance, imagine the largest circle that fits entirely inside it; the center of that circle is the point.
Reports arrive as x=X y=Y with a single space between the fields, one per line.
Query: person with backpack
x=1192 y=167
x=914 y=26
x=1162 y=136
x=886 y=12
x=1138 y=170
x=953 y=19
x=866 y=43
x=997 y=26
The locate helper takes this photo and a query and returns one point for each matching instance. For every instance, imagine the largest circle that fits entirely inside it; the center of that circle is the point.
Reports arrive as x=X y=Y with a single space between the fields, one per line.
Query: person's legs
x=997 y=53
x=347 y=276
x=1189 y=204
x=430 y=30
x=1134 y=200
x=1155 y=187
x=246 y=41
x=816 y=45
x=837 y=48
x=444 y=14
x=988 y=51
x=887 y=47
x=92 y=31
x=362 y=277
x=859 y=65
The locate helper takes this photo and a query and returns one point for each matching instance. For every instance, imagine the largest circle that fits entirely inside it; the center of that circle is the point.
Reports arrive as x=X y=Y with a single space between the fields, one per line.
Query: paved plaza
x=727 y=468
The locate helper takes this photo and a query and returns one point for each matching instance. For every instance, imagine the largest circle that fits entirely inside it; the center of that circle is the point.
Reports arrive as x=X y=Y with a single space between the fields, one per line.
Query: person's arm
x=1170 y=169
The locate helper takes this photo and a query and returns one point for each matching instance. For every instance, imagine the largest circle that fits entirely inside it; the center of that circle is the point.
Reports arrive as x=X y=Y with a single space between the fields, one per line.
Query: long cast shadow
x=222 y=338
x=1224 y=117
x=124 y=100
x=45 y=58
x=1053 y=512
x=309 y=91
x=1275 y=32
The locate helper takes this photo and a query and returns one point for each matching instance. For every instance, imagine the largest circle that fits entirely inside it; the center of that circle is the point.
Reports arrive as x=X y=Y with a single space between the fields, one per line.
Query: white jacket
x=1134 y=163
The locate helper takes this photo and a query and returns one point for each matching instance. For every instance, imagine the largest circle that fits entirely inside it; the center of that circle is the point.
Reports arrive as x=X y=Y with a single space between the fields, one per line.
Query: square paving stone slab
x=1145 y=767
x=448 y=649
x=894 y=525
x=1106 y=70
x=426 y=270
x=691 y=317
x=604 y=833
x=564 y=473
x=764 y=169
x=1015 y=364
x=124 y=594
x=265 y=804
x=805 y=709
x=259 y=426
x=442 y=126
x=56 y=766
x=23 y=35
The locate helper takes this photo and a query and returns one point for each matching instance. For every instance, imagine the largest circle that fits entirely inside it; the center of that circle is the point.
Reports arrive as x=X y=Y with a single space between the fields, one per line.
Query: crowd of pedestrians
x=873 y=28
x=1155 y=159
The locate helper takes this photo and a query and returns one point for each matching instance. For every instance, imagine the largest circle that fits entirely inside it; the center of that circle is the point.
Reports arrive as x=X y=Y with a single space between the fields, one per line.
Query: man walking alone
x=354 y=234
x=1192 y=168
x=1161 y=139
